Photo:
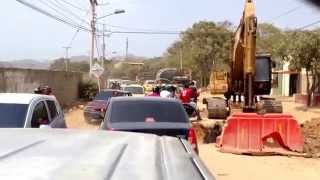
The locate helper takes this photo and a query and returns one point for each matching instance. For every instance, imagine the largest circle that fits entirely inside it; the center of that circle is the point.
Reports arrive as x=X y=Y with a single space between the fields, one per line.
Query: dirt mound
x=311 y=132
x=207 y=134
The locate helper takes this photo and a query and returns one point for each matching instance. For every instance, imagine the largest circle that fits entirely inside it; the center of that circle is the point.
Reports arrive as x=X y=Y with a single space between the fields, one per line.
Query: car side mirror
x=44 y=126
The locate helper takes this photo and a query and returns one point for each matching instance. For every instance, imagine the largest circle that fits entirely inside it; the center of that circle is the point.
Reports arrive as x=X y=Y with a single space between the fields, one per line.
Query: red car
x=94 y=111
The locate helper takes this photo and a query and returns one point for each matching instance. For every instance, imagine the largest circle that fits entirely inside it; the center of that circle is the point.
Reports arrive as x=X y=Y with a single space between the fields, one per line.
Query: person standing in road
x=166 y=92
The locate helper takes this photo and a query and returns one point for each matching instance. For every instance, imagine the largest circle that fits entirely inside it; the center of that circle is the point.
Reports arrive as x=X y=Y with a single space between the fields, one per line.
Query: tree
x=305 y=53
x=60 y=65
x=271 y=39
x=202 y=45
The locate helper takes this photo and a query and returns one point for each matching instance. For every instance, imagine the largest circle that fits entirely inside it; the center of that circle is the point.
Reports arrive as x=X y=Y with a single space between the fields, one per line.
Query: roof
x=83 y=154
x=146 y=98
x=133 y=85
x=19 y=98
x=112 y=90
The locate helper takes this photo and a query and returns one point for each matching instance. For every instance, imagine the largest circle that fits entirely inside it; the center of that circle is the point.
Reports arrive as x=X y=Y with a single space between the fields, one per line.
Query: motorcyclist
x=168 y=91
x=165 y=92
x=45 y=90
x=186 y=98
x=195 y=92
x=186 y=94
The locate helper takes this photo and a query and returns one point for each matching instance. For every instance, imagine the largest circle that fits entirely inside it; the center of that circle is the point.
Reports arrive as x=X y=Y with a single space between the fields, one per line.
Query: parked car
x=155 y=115
x=30 y=111
x=80 y=154
x=135 y=89
x=94 y=111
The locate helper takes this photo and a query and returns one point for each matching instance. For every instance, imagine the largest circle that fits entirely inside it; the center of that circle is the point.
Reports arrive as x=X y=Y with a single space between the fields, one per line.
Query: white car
x=135 y=90
x=19 y=110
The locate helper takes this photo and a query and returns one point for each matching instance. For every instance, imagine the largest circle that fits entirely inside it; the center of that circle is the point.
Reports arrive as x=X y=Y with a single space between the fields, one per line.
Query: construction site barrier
x=249 y=133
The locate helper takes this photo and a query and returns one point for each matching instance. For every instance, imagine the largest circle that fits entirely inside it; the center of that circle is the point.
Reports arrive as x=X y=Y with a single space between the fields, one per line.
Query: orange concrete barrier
x=248 y=133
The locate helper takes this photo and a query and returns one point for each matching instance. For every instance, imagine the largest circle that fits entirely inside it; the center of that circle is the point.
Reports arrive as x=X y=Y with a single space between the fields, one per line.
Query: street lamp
x=117 y=11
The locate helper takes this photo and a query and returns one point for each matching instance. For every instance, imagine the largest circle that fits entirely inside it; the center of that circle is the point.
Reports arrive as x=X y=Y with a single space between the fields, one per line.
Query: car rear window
x=104 y=95
x=147 y=111
x=134 y=90
x=13 y=115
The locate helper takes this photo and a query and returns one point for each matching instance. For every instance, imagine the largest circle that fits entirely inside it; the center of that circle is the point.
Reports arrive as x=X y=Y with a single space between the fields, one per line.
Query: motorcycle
x=192 y=110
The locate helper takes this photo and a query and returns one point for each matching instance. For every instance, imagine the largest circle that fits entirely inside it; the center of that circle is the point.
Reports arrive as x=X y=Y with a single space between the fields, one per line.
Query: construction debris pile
x=311 y=132
x=208 y=132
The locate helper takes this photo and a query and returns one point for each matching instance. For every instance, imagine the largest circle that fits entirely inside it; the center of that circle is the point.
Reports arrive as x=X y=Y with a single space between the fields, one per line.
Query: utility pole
x=66 y=57
x=103 y=46
x=93 y=3
x=181 y=58
x=127 y=48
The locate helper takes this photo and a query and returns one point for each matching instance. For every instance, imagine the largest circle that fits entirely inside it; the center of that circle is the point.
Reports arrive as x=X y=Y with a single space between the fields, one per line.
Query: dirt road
x=75 y=120
x=229 y=166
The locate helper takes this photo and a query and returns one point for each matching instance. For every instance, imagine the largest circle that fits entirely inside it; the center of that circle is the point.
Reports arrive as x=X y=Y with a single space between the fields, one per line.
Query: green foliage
x=271 y=39
x=305 y=53
x=60 y=65
x=201 y=46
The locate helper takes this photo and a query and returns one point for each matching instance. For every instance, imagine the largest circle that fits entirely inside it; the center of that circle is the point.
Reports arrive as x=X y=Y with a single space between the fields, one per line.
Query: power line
x=285 y=13
x=74 y=6
x=309 y=25
x=71 y=24
x=60 y=6
x=144 y=32
x=77 y=31
x=55 y=10
x=137 y=29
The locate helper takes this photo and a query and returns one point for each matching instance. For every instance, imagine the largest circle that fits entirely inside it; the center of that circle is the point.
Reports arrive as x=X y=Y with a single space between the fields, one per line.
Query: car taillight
x=192 y=138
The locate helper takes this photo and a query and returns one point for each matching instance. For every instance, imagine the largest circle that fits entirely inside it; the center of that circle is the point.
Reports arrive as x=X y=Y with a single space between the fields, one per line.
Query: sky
x=27 y=34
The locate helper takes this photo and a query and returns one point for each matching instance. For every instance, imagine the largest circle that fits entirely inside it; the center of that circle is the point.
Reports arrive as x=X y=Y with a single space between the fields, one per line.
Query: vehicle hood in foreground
x=74 y=154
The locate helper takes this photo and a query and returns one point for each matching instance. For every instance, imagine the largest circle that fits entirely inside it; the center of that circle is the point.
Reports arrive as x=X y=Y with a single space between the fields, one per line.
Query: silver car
x=30 y=111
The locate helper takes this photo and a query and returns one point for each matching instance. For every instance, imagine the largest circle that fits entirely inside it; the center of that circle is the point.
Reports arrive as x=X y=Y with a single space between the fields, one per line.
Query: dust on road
x=75 y=120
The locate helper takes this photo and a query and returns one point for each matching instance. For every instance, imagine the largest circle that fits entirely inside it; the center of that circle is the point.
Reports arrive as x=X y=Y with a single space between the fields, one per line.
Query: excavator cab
x=262 y=80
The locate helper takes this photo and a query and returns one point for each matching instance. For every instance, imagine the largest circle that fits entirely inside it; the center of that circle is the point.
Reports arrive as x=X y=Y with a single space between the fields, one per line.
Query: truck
x=174 y=76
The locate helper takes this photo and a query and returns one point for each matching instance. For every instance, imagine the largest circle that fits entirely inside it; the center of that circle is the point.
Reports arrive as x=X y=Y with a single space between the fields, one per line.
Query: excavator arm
x=244 y=57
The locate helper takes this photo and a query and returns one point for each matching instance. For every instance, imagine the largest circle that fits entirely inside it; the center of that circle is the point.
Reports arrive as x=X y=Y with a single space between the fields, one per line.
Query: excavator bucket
x=249 y=133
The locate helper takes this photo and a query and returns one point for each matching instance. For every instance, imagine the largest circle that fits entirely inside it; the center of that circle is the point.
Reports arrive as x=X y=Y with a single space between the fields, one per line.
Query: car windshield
x=134 y=90
x=13 y=115
x=104 y=95
x=147 y=111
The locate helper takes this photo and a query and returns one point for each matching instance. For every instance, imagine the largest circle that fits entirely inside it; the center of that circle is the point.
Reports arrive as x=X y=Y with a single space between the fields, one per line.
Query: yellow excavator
x=250 y=73
x=256 y=130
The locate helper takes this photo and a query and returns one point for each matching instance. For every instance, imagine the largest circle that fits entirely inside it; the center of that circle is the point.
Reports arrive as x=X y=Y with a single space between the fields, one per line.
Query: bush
x=87 y=90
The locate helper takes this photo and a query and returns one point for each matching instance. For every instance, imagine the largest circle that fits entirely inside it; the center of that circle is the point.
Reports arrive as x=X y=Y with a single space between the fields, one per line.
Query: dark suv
x=154 y=115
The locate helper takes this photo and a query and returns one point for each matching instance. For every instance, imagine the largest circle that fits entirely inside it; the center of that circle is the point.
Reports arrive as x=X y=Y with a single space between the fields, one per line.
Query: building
x=286 y=82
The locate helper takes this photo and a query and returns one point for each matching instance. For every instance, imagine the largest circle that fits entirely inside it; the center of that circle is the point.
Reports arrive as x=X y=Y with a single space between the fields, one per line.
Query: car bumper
x=92 y=117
